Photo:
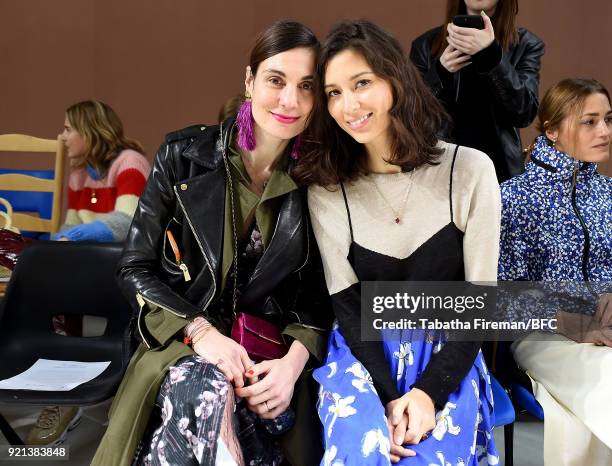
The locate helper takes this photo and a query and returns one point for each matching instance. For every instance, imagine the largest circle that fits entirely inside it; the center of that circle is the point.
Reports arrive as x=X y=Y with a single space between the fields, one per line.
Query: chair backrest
x=27 y=183
x=65 y=277
x=22 y=201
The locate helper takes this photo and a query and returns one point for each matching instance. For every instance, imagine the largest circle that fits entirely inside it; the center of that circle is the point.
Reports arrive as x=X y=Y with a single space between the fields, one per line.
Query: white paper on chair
x=57 y=376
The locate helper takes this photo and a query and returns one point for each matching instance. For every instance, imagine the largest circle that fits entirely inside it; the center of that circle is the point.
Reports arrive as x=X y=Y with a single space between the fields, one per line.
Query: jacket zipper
x=142 y=301
x=185 y=270
x=587 y=239
x=141 y=304
x=212 y=272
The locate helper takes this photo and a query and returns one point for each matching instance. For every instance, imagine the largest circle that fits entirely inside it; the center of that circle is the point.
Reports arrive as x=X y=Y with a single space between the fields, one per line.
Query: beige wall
x=167 y=64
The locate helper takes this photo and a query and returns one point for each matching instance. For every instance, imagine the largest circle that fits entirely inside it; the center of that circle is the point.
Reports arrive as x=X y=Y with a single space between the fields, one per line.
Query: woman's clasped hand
x=267 y=386
x=273 y=382
x=410 y=418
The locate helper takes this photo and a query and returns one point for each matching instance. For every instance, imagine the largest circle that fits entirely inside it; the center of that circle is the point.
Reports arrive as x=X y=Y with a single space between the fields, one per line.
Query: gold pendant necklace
x=397 y=214
x=94 y=199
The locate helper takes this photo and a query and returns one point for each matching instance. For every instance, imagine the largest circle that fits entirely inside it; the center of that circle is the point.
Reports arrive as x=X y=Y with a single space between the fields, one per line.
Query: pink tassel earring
x=297 y=145
x=245 y=122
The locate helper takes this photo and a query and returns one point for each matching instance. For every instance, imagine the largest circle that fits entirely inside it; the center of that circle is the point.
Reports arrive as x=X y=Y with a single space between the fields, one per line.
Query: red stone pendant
x=397 y=220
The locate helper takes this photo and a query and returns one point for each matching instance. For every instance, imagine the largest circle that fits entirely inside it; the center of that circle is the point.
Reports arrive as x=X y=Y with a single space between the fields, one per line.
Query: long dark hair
x=503 y=20
x=330 y=155
x=280 y=37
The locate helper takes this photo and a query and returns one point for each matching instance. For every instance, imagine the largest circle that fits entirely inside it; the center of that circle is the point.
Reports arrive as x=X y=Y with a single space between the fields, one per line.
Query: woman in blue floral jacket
x=557 y=226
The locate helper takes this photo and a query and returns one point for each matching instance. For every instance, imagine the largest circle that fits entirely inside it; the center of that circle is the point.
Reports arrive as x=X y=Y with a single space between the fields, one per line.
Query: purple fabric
x=261 y=339
x=245 y=122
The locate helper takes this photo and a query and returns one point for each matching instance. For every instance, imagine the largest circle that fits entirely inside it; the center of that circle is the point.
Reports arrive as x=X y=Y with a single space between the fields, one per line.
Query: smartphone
x=469 y=21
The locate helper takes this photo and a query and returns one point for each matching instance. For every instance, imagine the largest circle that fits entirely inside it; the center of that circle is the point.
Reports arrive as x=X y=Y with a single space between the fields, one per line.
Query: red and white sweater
x=110 y=201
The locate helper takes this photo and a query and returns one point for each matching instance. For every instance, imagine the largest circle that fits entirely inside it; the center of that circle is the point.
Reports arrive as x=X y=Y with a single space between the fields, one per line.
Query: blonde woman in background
x=107 y=176
x=557 y=227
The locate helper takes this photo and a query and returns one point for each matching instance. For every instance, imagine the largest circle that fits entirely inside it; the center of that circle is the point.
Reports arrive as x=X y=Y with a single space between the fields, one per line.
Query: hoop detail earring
x=245 y=122
x=297 y=145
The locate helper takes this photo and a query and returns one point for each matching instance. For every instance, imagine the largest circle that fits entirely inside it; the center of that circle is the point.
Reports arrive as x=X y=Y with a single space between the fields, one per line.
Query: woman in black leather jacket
x=487 y=79
x=222 y=229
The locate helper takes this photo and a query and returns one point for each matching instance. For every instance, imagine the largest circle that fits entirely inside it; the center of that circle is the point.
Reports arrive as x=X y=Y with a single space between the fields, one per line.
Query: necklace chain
x=397 y=213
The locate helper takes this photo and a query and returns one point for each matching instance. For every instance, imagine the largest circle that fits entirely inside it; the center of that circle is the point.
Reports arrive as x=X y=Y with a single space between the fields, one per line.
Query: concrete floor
x=83 y=440
x=528 y=442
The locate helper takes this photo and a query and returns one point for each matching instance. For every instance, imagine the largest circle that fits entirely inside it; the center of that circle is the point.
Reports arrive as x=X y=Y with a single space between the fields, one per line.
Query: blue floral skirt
x=354 y=423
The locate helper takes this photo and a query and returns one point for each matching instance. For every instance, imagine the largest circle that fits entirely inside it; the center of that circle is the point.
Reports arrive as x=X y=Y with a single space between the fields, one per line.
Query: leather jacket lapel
x=202 y=199
x=198 y=150
x=286 y=253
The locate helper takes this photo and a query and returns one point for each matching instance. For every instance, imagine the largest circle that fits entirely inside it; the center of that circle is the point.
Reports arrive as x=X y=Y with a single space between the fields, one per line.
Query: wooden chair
x=19 y=182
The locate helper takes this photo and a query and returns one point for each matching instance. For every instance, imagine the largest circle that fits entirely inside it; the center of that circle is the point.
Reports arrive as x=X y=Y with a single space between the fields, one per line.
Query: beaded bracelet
x=195 y=330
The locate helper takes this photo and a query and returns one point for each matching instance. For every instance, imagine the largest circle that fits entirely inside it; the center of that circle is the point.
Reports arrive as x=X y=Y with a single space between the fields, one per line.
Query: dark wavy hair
x=279 y=37
x=330 y=155
x=503 y=20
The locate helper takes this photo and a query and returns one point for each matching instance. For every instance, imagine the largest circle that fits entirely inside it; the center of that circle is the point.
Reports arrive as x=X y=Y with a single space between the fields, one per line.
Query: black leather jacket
x=186 y=193
x=489 y=99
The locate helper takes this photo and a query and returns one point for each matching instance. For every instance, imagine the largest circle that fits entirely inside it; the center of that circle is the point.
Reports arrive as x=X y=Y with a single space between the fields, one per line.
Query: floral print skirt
x=185 y=427
x=354 y=423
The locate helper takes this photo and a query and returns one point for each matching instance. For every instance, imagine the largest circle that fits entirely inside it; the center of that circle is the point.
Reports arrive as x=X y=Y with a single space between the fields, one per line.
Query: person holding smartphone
x=486 y=72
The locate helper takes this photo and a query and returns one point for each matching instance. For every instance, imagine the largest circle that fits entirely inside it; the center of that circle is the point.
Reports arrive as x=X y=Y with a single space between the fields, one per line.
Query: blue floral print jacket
x=557 y=222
